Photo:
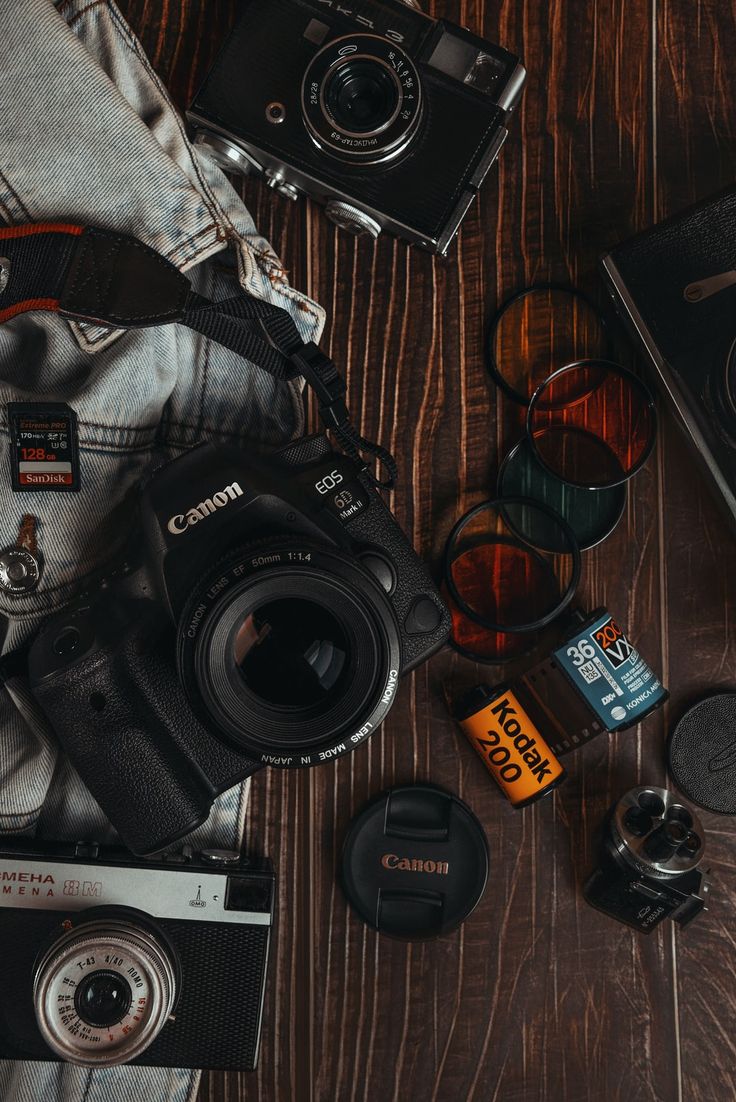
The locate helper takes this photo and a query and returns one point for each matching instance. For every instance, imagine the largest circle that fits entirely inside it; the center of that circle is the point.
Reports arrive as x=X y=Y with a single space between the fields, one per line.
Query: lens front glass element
x=292 y=653
x=103 y=999
x=362 y=96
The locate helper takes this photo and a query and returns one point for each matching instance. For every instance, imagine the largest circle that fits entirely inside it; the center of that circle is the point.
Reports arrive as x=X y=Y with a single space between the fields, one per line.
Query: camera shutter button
x=275 y=179
x=424 y=616
x=221 y=856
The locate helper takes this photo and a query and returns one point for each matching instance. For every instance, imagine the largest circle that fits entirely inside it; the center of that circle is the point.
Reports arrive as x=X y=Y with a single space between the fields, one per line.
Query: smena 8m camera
x=390 y=118
x=109 y=961
x=269 y=606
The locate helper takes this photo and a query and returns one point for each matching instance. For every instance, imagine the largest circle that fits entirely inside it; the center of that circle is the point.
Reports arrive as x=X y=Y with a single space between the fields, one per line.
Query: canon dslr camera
x=390 y=118
x=108 y=961
x=270 y=606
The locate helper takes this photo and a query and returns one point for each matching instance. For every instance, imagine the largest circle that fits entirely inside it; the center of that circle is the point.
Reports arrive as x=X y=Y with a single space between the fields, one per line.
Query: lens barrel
x=361 y=99
x=290 y=652
x=104 y=990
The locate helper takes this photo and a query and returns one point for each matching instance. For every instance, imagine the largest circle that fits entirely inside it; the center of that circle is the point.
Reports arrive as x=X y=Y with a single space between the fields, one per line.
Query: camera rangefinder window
x=292 y=652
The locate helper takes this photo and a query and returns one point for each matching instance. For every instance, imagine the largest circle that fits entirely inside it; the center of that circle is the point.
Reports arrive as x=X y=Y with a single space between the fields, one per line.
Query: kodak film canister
x=510 y=745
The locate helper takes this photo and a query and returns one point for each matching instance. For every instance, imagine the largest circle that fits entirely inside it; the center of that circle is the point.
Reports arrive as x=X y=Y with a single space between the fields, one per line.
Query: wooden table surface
x=629 y=114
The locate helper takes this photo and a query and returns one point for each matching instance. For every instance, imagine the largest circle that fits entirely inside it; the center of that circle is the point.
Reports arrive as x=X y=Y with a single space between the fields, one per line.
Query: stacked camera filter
x=512 y=564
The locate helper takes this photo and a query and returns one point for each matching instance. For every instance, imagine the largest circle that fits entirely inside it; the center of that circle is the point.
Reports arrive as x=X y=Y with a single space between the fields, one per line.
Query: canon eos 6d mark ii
x=270 y=605
x=390 y=118
x=111 y=961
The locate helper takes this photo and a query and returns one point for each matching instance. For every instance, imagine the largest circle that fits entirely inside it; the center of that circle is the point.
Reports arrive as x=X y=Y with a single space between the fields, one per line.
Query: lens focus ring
x=103 y=992
x=361 y=98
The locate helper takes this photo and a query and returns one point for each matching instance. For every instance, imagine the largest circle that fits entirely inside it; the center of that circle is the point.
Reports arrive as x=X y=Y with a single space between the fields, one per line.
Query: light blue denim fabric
x=88 y=135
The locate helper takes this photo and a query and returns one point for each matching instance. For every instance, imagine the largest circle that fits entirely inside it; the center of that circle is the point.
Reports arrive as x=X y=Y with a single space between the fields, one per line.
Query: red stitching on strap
x=39 y=227
x=29 y=304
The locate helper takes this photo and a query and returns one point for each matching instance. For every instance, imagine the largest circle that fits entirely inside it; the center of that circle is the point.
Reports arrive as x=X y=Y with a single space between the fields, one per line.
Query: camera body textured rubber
x=123 y=719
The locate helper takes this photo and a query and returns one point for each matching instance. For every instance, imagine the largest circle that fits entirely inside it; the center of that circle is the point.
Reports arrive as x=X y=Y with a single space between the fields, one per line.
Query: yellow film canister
x=513 y=750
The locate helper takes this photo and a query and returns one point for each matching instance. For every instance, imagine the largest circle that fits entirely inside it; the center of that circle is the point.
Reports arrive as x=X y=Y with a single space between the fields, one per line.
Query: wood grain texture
x=628 y=115
x=697 y=156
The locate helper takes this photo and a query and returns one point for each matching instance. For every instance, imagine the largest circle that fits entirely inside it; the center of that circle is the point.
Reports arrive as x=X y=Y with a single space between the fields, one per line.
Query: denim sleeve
x=89 y=135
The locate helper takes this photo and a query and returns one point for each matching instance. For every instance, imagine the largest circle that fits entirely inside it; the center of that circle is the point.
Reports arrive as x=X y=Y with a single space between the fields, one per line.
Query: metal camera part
x=352 y=220
x=227 y=153
x=103 y=992
x=651 y=847
x=655 y=833
x=362 y=99
x=109 y=959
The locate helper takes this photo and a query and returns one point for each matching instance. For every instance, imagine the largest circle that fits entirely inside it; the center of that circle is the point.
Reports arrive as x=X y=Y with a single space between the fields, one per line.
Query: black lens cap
x=702 y=753
x=415 y=862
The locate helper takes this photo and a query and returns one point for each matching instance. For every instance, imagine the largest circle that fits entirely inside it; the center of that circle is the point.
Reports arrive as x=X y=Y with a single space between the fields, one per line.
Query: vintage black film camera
x=390 y=118
x=112 y=961
x=652 y=845
x=270 y=605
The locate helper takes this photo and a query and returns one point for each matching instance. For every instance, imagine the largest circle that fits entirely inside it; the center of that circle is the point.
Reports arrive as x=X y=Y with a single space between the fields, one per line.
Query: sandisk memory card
x=44 y=449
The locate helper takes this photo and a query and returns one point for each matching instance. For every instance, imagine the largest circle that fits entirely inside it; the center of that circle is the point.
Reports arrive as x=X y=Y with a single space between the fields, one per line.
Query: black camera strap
x=88 y=274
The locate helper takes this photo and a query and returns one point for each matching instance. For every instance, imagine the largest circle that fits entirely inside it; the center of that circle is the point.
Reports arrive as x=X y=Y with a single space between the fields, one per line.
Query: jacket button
x=19 y=570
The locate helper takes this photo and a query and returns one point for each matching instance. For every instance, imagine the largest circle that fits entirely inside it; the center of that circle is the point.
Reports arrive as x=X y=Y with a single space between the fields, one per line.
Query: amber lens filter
x=539 y=330
x=498 y=578
x=592 y=424
x=481 y=645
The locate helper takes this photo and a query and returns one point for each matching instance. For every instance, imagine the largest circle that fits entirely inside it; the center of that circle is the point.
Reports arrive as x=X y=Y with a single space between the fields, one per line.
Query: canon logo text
x=414 y=864
x=180 y=521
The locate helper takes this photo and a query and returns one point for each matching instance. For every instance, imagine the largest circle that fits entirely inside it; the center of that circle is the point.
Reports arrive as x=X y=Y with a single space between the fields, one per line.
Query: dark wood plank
x=538 y=997
x=696 y=157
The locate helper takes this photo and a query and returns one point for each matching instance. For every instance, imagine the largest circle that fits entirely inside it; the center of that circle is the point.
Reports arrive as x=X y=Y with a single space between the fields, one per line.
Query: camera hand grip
x=121 y=716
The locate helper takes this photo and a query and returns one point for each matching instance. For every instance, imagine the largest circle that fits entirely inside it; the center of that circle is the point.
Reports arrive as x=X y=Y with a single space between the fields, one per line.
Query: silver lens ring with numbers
x=103 y=991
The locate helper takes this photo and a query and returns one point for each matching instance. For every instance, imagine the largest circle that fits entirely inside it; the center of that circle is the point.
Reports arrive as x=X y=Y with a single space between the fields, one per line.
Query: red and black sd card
x=44 y=448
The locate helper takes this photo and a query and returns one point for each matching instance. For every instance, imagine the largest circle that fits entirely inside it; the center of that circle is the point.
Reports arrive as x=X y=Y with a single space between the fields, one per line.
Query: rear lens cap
x=415 y=862
x=702 y=753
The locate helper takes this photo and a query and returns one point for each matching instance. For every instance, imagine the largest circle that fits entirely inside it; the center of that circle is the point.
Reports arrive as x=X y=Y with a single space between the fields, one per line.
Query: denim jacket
x=88 y=135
